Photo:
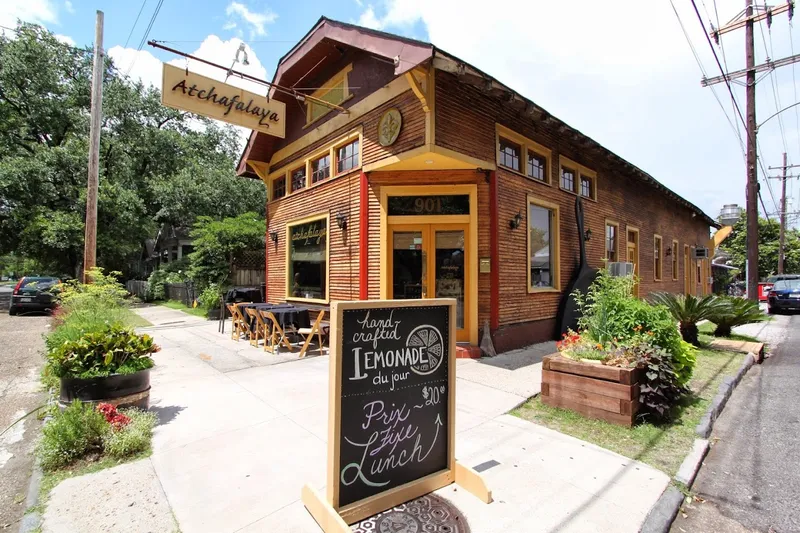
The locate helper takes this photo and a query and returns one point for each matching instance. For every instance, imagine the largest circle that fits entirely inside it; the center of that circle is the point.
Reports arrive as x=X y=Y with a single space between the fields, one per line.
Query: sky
x=626 y=73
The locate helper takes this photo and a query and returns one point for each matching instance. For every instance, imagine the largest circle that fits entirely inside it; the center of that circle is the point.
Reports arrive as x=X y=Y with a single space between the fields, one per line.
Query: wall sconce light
x=273 y=236
x=341 y=220
x=587 y=235
x=516 y=221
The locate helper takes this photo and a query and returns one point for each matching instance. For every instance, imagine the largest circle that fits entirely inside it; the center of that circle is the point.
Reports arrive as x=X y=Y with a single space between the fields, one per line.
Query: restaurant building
x=426 y=177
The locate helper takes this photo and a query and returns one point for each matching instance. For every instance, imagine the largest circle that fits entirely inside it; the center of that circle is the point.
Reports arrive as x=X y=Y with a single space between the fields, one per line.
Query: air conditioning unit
x=701 y=253
x=620 y=269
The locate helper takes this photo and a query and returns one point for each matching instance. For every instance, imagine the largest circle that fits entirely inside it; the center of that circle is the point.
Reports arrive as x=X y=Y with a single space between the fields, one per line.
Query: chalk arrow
x=439 y=424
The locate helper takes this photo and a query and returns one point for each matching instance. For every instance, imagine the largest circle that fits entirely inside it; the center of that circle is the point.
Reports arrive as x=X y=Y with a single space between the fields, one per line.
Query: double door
x=430 y=261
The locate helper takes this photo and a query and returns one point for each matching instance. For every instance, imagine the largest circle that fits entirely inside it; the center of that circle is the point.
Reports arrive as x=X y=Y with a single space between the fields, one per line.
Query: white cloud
x=37 y=11
x=630 y=84
x=65 y=39
x=369 y=20
x=147 y=68
x=68 y=6
x=256 y=21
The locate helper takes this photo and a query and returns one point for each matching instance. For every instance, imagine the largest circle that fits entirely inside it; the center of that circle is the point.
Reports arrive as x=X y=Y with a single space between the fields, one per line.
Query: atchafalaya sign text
x=213 y=99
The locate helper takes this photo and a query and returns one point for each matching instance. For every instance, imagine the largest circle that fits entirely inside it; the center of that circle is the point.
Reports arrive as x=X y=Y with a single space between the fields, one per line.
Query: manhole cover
x=426 y=514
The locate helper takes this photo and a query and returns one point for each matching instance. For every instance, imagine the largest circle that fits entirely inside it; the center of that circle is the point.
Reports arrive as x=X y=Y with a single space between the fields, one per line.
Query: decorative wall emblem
x=389 y=126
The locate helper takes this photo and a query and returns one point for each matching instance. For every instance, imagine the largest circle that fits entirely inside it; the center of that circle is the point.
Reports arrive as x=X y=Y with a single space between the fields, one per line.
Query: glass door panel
x=449 y=274
x=408 y=265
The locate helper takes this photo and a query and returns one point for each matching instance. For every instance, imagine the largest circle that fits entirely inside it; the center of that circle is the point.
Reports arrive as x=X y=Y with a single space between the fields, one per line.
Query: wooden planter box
x=593 y=390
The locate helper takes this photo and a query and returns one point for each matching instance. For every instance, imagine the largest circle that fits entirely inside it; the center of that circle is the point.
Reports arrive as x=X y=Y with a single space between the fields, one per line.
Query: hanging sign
x=210 y=98
x=391 y=423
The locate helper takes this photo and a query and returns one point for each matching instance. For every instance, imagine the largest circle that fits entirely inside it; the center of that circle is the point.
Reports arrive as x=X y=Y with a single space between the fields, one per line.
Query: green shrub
x=688 y=310
x=209 y=298
x=70 y=434
x=735 y=312
x=133 y=438
x=155 y=285
x=113 y=350
x=661 y=388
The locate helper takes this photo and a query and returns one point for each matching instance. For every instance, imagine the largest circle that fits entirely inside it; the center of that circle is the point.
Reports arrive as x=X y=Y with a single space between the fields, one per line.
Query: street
x=20 y=362
x=750 y=480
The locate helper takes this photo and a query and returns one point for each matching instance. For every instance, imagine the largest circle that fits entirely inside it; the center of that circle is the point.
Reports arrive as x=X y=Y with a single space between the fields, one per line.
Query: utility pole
x=90 y=240
x=752 y=178
x=783 y=213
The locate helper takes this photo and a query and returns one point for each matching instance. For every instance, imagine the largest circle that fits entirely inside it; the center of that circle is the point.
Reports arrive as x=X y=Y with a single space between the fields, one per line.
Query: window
x=674 y=260
x=586 y=187
x=307 y=259
x=699 y=278
x=568 y=179
x=612 y=231
x=321 y=168
x=509 y=154
x=347 y=157
x=335 y=91
x=657 y=259
x=537 y=166
x=543 y=258
x=298 y=178
x=279 y=187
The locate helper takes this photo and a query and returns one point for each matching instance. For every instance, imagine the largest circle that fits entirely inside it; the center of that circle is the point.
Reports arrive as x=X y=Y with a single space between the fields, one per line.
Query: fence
x=183 y=292
x=137 y=288
x=248 y=277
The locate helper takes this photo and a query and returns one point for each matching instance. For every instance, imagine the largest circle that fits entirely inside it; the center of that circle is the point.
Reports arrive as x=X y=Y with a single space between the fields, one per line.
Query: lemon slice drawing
x=428 y=338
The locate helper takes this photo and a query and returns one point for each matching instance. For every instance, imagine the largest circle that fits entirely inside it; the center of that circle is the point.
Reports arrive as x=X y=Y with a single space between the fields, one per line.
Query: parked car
x=34 y=293
x=785 y=294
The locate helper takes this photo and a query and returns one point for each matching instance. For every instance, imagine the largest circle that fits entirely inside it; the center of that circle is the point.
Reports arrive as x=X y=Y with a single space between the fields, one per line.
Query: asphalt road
x=21 y=346
x=750 y=480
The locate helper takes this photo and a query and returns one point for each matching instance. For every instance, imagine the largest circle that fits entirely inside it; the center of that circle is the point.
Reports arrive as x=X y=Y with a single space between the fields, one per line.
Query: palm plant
x=735 y=312
x=688 y=310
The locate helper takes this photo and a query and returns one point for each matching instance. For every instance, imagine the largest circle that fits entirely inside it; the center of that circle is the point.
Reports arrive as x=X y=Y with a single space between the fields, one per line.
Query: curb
x=31 y=521
x=664 y=511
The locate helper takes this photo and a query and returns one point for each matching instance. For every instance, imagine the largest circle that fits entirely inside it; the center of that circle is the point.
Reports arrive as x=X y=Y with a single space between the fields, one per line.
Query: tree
x=217 y=243
x=157 y=165
x=768 y=233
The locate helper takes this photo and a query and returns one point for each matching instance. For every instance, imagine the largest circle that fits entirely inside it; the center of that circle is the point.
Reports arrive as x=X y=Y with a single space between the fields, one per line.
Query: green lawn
x=707 y=334
x=664 y=446
x=135 y=321
x=175 y=304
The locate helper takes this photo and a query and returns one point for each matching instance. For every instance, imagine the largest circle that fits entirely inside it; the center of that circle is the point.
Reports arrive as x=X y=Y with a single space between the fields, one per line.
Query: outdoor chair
x=236 y=321
x=258 y=329
x=277 y=335
x=308 y=334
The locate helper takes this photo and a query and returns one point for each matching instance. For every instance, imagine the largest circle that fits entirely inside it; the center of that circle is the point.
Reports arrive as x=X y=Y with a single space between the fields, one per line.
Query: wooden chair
x=277 y=335
x=236 y=321
x=308 y=334
x=258 y=330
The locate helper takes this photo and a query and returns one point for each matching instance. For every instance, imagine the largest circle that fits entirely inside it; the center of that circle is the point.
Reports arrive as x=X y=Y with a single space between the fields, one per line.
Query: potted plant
x=210 y=300
x=111 y=365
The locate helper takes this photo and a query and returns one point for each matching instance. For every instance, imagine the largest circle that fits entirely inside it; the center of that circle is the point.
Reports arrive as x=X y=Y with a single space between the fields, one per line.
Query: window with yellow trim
x=509 y=154
x=658 y=262
x=347 y=157
x=298 y=178
x=542 y=246
x=279 y=187
x=321 y=168
x=587 y=186
x=567 y=179
x=522 y=155
x=335 y=91
x=612 y=237
x=674 y=260
x=308 y=259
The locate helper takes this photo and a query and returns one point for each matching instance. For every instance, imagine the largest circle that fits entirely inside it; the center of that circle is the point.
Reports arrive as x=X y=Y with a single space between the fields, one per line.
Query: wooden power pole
x=783 y=217
x=752 y=178
x=90 y=240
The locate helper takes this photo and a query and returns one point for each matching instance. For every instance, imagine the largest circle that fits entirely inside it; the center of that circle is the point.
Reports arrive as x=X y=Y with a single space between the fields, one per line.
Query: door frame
x=470 y=241
x=635 y=245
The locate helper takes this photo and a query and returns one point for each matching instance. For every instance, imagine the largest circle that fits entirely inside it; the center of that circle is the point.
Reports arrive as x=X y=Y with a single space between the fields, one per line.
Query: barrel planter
x=128 y=390
x=596 y=391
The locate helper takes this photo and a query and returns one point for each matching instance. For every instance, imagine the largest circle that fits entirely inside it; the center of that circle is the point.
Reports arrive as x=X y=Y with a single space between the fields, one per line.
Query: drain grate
x=426 y=514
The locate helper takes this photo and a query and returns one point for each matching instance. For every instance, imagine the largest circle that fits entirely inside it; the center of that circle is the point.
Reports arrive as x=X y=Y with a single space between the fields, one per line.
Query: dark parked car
x=34 y=293
x=785 y=294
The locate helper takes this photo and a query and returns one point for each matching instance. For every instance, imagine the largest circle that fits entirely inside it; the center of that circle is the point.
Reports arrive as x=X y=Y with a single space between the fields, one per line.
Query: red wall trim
x=363 y=239
x=494 y=251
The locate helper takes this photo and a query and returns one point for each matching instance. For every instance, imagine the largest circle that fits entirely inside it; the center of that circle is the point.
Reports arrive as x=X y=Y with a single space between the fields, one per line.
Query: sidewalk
x=243 y=430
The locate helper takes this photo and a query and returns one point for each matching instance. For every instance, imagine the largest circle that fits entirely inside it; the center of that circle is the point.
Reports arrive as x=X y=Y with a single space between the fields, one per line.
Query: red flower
x=112 y=416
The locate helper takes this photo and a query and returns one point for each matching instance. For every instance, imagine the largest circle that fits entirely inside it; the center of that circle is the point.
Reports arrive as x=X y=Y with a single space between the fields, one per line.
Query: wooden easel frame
x=326 y=511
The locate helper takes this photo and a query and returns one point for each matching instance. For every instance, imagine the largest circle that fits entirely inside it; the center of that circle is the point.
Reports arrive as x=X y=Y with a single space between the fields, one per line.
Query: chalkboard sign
x=392 y=377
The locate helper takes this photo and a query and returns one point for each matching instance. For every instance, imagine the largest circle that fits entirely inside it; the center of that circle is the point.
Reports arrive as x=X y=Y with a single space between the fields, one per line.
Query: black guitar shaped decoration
x=568 y=313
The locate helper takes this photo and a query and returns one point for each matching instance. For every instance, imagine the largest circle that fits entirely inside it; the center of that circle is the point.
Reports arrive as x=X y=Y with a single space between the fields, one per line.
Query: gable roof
x=407 y=53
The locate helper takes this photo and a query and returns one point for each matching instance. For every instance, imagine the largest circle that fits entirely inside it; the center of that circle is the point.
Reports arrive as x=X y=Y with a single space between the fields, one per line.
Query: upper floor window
x=321 y=168
x=299 y=179
x=658 y=263
x=347 y=157
x=567 y=179
x=586 y=186
x=509 y=154
x=334 y=91
x=279 y=187
x=537 y=166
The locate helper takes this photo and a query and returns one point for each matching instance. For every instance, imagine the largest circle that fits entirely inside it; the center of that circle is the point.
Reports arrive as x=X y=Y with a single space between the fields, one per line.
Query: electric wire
x=135 y=22
x=724 y=60
x=769 y=51
x=144 y=37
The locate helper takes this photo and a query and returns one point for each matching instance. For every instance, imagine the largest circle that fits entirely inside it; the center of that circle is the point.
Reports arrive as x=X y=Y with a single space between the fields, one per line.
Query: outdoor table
x=243 y=294
x=285 y=314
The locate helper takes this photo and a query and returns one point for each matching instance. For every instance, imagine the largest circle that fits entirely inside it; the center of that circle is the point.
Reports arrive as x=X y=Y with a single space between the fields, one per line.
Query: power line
x=725 y=61
x=769 y=51
x=144 y=37
x=135 y=22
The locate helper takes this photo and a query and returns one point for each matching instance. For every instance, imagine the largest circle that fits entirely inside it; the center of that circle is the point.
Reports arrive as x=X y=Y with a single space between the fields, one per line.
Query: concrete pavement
x=242 y=431
x=750 y=480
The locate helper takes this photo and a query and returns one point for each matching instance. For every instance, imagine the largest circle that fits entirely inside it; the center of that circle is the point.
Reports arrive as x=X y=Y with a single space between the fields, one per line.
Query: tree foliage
x=768 y=234
x=157 y=165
